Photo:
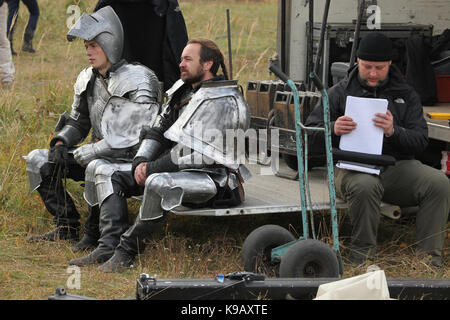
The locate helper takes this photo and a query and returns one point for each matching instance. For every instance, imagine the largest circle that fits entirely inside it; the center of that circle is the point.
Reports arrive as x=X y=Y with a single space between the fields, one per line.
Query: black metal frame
x=249 y=286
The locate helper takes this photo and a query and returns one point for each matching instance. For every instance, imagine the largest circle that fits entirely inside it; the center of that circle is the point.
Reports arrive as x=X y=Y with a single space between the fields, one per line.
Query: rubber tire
x=309 y=259
x=256 y=250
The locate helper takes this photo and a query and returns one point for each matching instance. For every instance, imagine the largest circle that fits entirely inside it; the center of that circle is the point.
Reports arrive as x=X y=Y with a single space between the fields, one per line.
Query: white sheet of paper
x=366 y=138
x=356 y=167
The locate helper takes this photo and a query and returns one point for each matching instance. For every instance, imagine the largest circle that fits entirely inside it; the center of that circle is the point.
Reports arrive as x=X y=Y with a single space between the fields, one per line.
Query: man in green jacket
x=407 y=183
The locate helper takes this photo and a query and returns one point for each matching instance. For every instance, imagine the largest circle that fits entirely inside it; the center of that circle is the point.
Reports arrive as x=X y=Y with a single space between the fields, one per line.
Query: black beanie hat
x=375 y=46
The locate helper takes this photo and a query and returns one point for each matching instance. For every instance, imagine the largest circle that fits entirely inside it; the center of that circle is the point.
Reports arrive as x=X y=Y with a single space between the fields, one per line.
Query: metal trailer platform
x=267 y=193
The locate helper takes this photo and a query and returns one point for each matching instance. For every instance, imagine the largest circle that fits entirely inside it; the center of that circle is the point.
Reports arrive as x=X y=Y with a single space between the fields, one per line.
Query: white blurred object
x=368 y=286
x=391 y=211
x=372 y=267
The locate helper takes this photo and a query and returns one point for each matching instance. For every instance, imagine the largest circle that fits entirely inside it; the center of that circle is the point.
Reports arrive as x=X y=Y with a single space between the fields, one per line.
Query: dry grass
x=188 y=246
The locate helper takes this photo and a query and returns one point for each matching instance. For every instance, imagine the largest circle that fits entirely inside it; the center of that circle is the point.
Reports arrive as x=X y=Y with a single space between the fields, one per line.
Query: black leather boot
x=56 y=199
x=119 y=262
x=91 y=231
x=132 y=242
x=59 y=233
x=96 y=256
x=113 y=223
x=28 y=41
x=86 y=243
x=59 y=203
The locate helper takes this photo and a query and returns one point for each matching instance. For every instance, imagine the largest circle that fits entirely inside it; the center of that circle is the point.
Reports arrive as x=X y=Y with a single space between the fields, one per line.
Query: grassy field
x=188 y=246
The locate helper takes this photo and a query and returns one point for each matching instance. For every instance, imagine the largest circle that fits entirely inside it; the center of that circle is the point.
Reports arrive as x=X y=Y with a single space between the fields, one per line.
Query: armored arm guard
x=69 y=135
x=74 y=128
x=67 y=132
x=148 y=86
x=149 y=149
x=135 y=82
x=101 y=149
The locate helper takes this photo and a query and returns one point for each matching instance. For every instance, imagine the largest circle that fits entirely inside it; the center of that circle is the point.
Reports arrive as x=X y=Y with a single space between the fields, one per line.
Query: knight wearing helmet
x=108 y=77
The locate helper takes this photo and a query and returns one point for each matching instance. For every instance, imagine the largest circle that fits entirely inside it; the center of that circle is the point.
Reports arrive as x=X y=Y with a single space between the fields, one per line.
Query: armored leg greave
x=166 y=191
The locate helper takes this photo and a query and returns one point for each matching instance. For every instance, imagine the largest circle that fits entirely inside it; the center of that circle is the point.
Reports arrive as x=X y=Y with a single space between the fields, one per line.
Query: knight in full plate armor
x=109 y=79
x=178 y=163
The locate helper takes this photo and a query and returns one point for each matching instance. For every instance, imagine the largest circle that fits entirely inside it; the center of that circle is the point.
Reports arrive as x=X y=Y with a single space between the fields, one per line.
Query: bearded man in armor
x=108 y=76
x=166 y=177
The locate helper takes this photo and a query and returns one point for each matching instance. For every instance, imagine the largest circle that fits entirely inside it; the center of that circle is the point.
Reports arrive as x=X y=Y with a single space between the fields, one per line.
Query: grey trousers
x=6 y=64
x=408 y=183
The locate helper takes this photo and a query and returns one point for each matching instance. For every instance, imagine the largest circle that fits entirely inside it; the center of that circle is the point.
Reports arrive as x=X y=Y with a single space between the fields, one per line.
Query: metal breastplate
x=213 y=123
x=97 y=102
x=139 y=82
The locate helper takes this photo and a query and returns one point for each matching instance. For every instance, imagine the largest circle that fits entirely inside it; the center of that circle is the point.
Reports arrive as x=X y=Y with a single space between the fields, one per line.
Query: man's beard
x=379 y=83
x=197 y=77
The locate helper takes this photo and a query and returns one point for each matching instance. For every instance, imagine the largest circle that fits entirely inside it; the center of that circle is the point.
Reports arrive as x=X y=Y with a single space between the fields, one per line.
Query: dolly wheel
x=309 y=259
x=257 y=248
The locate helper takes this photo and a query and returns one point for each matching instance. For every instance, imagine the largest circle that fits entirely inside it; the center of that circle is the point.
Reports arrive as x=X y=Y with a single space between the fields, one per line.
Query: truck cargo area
x=267 y=193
